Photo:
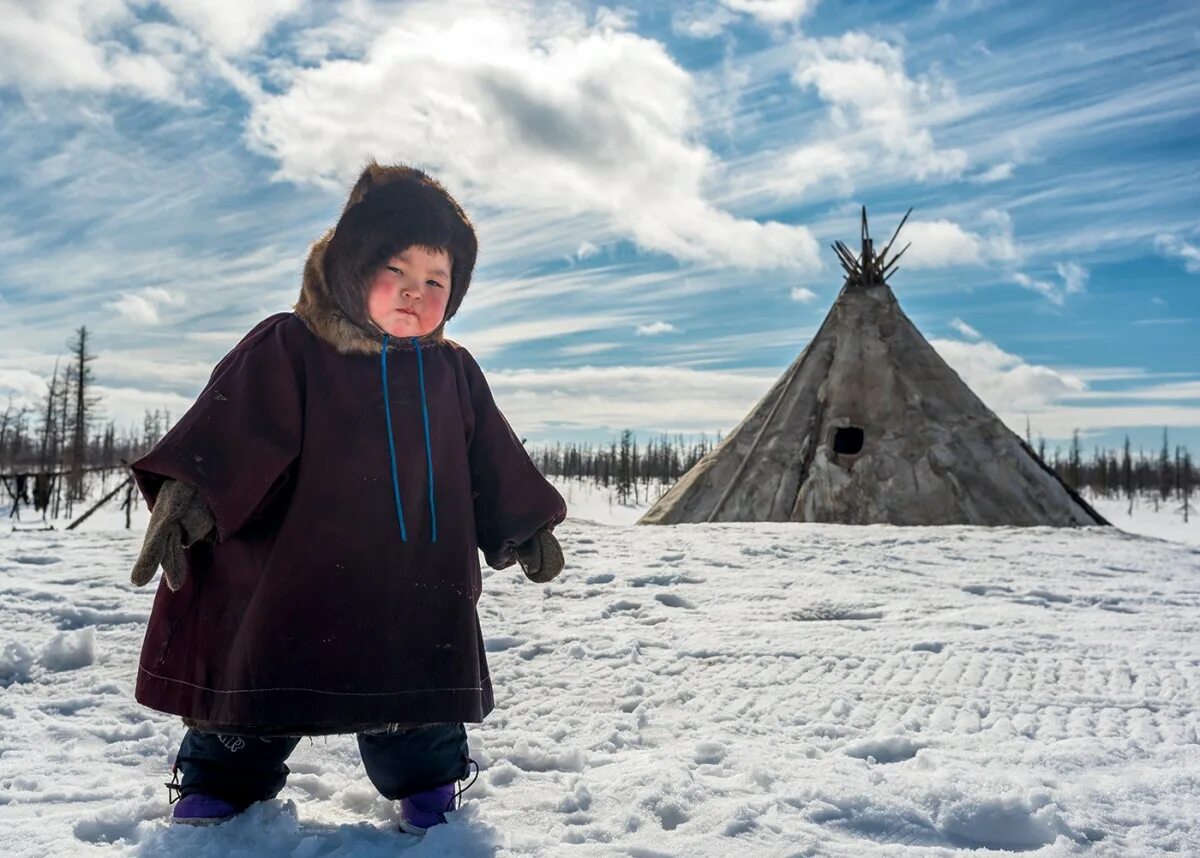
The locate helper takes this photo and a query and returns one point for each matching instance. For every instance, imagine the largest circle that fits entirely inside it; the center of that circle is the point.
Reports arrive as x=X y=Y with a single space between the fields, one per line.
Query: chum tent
x=869 y=425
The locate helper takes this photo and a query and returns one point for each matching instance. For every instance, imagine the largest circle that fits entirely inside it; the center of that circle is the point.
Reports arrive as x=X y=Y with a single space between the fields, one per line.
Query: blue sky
x=655 y=188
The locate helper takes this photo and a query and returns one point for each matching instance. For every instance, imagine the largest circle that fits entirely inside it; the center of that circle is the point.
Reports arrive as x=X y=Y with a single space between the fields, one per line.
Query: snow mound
x=16 y=659
x=70 y=650
x=1012 y=821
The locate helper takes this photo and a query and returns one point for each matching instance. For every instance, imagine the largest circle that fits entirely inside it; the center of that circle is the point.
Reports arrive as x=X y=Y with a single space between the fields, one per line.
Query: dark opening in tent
x=848 y=440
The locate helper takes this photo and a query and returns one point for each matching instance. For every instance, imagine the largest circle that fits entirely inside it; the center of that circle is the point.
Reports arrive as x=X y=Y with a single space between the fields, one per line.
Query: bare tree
x=1164 y=468
x=83 y=405
x=1127 y=475
x=1185 y=485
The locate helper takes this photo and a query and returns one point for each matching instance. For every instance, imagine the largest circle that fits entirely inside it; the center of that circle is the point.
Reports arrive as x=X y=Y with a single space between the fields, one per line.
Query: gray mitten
x=541 y=557
x=180 y=519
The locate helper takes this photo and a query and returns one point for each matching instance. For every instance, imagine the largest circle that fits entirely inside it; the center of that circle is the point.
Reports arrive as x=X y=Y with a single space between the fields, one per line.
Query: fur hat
x=389 y=209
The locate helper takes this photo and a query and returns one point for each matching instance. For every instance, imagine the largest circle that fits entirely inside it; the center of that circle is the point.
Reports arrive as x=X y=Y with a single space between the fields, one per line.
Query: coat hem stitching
x=311 y=690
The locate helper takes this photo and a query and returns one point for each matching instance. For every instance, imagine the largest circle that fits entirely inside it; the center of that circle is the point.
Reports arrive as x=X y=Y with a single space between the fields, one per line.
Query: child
x=317 y=513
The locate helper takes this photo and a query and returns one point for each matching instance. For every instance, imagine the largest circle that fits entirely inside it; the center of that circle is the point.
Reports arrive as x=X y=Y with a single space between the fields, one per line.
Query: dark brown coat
x=312 y=613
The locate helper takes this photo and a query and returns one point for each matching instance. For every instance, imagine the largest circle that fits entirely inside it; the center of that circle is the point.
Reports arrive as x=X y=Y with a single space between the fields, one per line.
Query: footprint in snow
x=673 y=601
x=663 y=580
x=828 y=613
x=37 y=559
x=709 y=753
x=500 y=643
x=619 y=607
x=985 y=589
x=884 y=749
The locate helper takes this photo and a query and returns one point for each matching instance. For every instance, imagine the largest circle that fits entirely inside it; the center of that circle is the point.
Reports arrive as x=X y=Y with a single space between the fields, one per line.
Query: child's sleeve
x=238 y=439
x=513 y=501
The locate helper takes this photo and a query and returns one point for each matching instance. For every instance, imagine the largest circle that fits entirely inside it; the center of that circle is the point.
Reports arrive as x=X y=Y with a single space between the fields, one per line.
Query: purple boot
x=200 y=809
x=423 y=810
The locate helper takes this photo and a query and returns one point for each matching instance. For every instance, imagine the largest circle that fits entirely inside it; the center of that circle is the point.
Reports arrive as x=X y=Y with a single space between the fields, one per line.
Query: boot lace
x=174 y=790
x=456 y=801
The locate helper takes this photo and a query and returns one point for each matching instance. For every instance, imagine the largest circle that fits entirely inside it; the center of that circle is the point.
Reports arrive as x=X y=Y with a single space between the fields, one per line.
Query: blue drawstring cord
x=387 y=410
x=425 y=418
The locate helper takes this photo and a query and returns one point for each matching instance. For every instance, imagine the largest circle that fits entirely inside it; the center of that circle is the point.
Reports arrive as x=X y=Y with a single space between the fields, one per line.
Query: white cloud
x=666 y=399
x=1175 y=247
x=615 y=18
x=943 y=243
x=584 y=349
x=25 y=388
x=1015 y=389
x=772 y=11
x=997 y=173
x=73 y=45
x=654 y=328
x=1005 y=381
x=1042 y=287
x=1074 y=280
x=127 y=45
x=1173 y=320
x=697 y=21
x=126 y=405
x=143 y=306
x=496 y=337
x=232 y=26
x=940 y=244
x=1074 y=277
x=874 y=120
x=1189 y=390
x=803 y=295
x=516 y=107
x=965 y=329
x=586 y=250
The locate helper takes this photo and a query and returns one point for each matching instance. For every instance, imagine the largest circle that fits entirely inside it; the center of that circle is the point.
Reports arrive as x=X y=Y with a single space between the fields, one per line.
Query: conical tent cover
x=869 y=425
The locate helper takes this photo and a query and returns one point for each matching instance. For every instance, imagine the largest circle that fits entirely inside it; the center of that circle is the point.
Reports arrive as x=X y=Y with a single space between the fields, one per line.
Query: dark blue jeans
x=245 y=769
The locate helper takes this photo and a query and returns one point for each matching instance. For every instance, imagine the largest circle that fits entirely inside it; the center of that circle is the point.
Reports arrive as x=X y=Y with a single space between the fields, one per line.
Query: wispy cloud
x=772 y=11
x=654 y=328
x=143 y=306
x=1177 y=248
x=1073 y=276
x=656 y=399
x=874 y=118
x=489 y=341
x=965 y=329
x=995 y=173
x=698 y=21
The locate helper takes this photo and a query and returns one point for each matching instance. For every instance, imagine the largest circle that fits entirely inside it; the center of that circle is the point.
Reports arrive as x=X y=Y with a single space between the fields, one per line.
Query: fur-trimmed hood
x=390 y=208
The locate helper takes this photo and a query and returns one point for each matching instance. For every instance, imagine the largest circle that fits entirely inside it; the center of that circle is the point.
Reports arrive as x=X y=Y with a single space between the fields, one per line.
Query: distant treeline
x=49 y=454
x=1163 y=475
x=52 y=453
x=624 y=464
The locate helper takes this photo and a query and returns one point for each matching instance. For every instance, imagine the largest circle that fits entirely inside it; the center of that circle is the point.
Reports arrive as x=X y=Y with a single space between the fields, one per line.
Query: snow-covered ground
x=1163 y=520
x=705 y=690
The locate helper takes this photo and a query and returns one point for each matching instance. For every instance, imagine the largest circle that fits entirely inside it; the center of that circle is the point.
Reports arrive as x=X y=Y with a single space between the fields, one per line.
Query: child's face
x=409 y=293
